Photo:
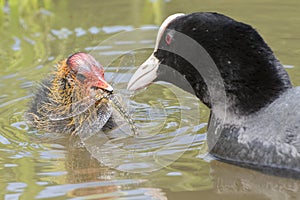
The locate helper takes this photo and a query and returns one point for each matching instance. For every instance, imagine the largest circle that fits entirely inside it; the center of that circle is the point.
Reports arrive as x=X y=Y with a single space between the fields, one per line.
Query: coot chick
x=255 y=115
x=74 y=99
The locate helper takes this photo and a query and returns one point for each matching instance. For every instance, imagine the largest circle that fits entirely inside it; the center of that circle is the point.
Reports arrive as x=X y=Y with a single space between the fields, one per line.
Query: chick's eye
x=168 y=38
x=81 y=77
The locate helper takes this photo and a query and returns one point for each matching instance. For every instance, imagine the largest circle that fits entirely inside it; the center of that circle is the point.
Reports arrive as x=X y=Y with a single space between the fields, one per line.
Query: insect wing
x=93 y=120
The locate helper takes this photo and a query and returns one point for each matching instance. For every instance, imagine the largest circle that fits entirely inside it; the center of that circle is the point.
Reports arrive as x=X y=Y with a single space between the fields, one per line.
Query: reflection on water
x=36 y=34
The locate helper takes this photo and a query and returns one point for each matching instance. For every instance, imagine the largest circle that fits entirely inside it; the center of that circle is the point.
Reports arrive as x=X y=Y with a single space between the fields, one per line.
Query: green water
x=36 y=34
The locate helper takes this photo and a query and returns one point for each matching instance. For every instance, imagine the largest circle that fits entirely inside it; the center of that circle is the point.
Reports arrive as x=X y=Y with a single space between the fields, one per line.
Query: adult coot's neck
x=252 y=75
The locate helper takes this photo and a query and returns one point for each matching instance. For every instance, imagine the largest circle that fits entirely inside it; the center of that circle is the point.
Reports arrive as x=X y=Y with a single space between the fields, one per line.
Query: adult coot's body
x=255 y=115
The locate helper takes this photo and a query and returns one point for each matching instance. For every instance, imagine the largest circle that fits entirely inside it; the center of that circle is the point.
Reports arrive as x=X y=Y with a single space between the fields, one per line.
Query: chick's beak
x=102 y=84
x=145 y=74
x=97 y=78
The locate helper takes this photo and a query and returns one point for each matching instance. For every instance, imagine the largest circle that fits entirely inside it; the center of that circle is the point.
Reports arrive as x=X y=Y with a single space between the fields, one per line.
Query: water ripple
x=15 y=101
x=63 y=190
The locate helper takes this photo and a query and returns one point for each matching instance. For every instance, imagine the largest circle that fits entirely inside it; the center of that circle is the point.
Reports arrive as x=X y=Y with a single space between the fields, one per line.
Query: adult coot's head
x=251 y=75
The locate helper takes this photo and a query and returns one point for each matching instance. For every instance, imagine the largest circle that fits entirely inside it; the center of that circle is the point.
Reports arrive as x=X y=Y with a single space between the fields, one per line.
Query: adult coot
x=255 y=116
